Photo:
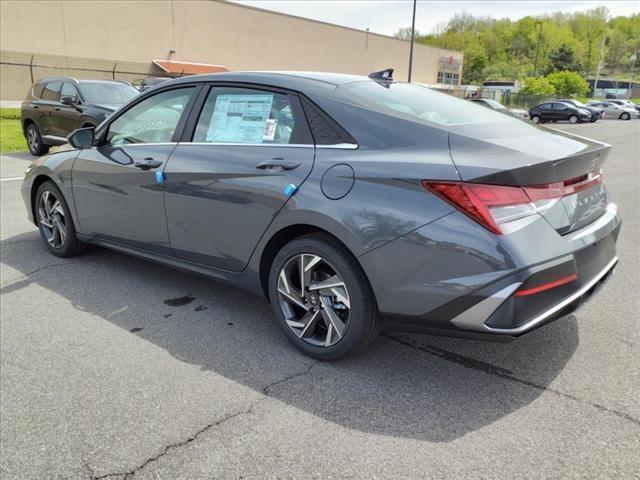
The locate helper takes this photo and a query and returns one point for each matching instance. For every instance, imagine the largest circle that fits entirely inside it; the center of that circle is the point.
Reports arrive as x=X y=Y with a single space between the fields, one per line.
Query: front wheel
x=34 y=141
x=55 y=222
x=573 y=119
x=322 y=299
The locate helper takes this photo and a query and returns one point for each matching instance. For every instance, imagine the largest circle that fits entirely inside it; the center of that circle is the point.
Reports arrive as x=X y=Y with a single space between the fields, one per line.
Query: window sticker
x=240 y=118
x=270 y=130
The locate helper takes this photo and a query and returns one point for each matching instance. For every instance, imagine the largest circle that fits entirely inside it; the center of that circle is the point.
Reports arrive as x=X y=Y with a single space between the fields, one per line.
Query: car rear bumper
x=464 y=284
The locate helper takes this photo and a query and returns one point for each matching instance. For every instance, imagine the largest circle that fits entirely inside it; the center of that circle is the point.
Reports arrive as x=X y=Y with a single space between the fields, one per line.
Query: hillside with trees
x=534 y=46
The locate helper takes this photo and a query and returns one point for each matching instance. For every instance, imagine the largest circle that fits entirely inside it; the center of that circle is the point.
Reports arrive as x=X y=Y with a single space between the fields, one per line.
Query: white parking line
x=11 y=179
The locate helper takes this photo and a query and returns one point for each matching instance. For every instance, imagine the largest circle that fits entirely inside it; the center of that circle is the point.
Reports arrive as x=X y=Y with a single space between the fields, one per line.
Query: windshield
x=111 y=93
x=419 y=104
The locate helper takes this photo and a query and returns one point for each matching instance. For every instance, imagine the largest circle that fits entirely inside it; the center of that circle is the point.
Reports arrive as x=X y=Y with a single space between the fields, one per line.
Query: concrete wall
x=207 y=31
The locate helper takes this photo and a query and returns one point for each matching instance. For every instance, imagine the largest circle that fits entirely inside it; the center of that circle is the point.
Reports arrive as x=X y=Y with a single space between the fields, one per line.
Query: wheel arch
x=35 y=185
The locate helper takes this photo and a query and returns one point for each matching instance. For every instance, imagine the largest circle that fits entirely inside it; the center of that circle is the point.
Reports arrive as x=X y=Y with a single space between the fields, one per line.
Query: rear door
x=117 y=185
x=49 y=100
x=247 y=152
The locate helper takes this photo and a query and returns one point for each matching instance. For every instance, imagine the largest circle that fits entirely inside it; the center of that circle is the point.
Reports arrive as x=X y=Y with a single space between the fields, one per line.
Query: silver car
x=613 y=110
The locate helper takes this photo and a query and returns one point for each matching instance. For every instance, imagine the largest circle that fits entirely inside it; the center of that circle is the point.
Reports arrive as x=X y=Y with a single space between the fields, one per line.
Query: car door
x=546 y=112
x=250 y=149
x=117 y=185
x=49 y=100
x=561 y=111
x=66 y=118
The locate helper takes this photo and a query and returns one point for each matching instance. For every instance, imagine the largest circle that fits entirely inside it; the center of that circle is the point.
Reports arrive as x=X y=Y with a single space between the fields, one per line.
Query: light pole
x=633 y=59
x=595 y=83
x=535 y=64
x=413 y=34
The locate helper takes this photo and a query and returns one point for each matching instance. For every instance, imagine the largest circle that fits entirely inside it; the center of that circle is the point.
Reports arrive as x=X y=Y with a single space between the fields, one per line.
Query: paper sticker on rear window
x=240 y=118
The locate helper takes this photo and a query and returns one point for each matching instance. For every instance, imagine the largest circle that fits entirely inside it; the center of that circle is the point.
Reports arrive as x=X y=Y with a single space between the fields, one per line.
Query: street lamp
x=633 y=59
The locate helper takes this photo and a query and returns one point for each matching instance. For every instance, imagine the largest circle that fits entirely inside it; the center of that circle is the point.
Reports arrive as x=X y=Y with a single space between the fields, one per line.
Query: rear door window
x=37 y=90
x=234 y=115
x=51 y=91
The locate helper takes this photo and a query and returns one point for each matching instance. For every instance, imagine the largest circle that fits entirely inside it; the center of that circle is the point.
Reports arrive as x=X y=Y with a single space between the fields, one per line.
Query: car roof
x=81 y=80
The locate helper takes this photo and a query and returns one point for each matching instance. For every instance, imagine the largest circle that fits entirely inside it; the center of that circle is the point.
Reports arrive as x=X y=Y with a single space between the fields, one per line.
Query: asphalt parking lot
x=112 y=367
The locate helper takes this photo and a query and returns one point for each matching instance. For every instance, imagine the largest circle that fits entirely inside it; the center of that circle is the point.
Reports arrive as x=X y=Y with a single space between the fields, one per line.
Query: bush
x=568 y=84
x=537 y=86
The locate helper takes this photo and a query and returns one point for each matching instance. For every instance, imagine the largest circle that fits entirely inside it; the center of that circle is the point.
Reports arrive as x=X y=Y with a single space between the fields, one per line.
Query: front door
x=117 y=186
x=250 y=150
x=66 y=118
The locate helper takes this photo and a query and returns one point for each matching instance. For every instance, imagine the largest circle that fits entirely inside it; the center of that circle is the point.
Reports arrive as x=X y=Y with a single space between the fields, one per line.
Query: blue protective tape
x=290 y=189
x=160 y=177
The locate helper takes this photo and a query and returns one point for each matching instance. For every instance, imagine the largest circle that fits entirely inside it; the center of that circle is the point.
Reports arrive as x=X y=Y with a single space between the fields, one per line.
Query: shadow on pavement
x=429 y=388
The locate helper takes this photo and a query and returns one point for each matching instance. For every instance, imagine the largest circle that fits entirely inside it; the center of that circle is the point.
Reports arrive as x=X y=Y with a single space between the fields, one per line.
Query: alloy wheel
x=32 y=139
x=314 y=300
x=51 y=219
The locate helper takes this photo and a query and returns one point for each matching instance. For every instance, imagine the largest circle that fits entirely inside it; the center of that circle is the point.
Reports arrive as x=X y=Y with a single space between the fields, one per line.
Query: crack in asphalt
x=504 y=373
x=25 y=276
x=266 y=392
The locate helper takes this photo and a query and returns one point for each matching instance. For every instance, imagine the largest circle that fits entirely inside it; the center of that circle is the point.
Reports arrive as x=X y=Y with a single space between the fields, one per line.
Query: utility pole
x=413 y=34
x=535 y=64
x=595 y=83
x=633 y=59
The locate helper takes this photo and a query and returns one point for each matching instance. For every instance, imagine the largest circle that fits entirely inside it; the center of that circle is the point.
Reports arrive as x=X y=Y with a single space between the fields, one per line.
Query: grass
x=11 y=137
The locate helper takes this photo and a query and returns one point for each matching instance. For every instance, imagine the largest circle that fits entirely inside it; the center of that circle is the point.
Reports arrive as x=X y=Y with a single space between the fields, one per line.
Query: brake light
x=492 y=205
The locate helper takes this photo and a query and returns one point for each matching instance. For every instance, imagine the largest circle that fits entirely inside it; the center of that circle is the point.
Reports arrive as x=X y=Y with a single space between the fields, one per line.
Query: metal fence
x=505 y=96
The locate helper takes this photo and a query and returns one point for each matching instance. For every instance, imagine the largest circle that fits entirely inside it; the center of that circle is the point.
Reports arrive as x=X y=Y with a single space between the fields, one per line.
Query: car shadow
x=430 y=388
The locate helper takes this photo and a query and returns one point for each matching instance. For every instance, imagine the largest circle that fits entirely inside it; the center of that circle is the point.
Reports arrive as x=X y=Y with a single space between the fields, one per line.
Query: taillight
x=493 y=205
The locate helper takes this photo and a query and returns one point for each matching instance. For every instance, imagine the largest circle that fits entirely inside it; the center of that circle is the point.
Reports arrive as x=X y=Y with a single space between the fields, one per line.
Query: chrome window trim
x=230 y=144
x=340 y=146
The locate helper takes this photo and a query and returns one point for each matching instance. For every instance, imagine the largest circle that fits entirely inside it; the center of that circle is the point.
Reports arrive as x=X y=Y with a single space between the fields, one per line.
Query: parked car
x=559 y=111
x=497 y=106
x=613 y=110
x=143 y=84
x=626 y=103
x=596 y=112
x=55 y=107
x=346 y=200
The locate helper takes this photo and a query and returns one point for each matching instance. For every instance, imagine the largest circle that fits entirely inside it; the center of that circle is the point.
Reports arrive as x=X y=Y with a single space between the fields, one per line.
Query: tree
x=568 y=84
x=562 y=59
x=590 y=26
x=404 y=33
x=475 y=61
x=537 y=86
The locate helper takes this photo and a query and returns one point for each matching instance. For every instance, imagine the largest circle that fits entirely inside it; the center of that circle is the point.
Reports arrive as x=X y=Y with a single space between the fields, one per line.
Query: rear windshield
x=110 y=93
x=419 y=104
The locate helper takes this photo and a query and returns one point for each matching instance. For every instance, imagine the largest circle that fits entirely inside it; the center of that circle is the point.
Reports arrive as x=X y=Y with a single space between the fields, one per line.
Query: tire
x=573 y=119
x=594 y=119
x=55 y=222
x=625 y=116
x=536 y=119
x=308 y=319
x=34 y=141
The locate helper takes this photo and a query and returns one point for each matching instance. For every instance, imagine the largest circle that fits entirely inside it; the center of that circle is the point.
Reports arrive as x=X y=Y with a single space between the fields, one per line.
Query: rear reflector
x=546 y=286
x=491 y=205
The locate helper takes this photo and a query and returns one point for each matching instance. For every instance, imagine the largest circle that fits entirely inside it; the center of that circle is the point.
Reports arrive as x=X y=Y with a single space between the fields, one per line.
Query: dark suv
x=55 y=107
x=558 y=111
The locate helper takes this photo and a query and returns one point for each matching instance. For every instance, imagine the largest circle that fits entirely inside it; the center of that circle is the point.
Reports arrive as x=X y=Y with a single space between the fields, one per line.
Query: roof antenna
x=384 y=75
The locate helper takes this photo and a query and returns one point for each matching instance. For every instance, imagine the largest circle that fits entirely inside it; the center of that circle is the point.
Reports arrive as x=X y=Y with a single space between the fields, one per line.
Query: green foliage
x=562 y=59
x=568 y=84
x=10 y=113
x=11 y=138
x=566 y=42
x=538 y=86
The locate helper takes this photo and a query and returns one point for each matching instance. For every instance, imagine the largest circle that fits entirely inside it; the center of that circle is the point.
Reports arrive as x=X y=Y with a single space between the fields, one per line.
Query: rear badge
x=290 y=189
x=160 y=177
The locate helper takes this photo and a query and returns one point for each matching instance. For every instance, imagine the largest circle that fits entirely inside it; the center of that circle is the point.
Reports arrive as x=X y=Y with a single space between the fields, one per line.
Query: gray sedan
x=349 y=202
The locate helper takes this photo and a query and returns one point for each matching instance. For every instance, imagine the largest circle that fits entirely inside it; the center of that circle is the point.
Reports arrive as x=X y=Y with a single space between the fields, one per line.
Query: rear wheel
x=625 y=116
x=55 y=222
x=573 y=119
x=535 y=119
x=321 y=298
x=34 y=141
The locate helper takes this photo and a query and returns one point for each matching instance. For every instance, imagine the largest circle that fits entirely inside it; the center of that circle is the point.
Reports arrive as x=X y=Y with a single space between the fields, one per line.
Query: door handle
x=147 y=164
x=280 y=163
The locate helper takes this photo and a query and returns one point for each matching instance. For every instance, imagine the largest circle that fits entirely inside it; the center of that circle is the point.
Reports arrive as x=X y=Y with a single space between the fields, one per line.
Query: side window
x=248 y=116
x=154 y=120
x=51 y=91
x=37 y=90
x=69 y=90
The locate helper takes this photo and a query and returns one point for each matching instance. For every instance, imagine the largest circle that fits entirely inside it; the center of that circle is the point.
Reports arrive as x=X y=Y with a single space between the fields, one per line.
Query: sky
x=386 y=16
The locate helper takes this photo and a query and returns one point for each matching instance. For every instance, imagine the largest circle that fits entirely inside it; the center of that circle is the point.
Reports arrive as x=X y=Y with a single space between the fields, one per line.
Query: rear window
x=419 y=104
x=51 y=91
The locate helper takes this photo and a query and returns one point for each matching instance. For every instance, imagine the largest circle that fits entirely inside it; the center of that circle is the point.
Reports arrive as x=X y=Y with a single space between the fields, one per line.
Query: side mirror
x=67 y=100
x=82 y=138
